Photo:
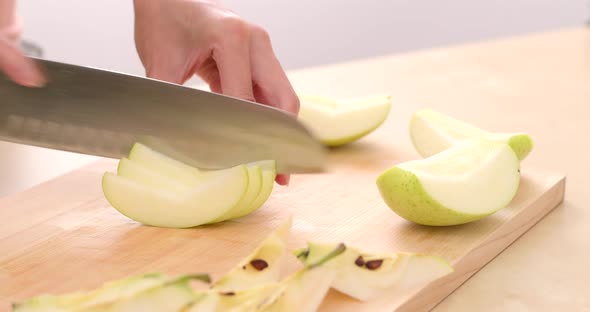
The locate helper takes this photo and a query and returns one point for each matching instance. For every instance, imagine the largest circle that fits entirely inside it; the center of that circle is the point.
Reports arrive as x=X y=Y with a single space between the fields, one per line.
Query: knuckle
x=260 y=34
x=233 y=29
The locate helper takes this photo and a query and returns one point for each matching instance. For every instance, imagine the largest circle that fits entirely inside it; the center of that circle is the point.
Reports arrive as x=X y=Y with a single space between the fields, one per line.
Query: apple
x=467 y=182
x=154 y=189
x=338 y=122
x=158 y=207
x=366 y=276
x=433 y=132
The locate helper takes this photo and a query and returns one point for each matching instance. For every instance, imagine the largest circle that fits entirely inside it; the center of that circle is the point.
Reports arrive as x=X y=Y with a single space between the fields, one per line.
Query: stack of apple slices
x=255 y=284
x=469 y=173
x=157 y=190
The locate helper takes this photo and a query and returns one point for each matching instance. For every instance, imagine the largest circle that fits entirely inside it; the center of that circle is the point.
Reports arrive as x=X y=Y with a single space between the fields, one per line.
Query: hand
x=177 y=39
x=13 y=63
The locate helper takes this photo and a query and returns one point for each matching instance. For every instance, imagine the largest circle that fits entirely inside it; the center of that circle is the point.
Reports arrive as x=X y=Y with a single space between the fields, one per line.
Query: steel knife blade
x=100 y=112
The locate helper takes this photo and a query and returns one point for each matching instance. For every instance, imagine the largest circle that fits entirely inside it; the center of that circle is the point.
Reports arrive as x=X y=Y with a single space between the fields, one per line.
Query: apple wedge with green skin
x=432 y=132
x=339 y=122
x=158 y=207
x=262 y=266
x=465 y=183
x=366 y=276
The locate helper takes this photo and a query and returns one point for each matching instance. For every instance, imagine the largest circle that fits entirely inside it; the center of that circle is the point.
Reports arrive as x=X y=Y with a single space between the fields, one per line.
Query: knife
x=103 y=113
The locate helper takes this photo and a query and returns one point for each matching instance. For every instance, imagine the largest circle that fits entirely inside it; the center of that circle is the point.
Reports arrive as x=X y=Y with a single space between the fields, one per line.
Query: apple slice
x=433 y=132
x=262 y=266
x=339 y=122
x=269 y=173
x=462 y=184
x=367 y=276
x=254 y=187
x=144 y=175
x=158 y=207
x=166 y=166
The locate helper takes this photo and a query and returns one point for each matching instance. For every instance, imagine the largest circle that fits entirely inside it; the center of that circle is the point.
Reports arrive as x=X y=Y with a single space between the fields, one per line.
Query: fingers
x=232 y=57
x=272 y=87
x=283 y=179
x=17 y=67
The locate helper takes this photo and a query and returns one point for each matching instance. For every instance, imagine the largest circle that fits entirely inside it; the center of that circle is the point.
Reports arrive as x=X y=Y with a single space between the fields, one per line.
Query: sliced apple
x=433 y=132
x=269 y=173
x=139 y=173
x=339 y=122
x=255 y=181
x=158 y=207
x=462 y=184
x=165 y=165
x=366 y=276
x=262 y=266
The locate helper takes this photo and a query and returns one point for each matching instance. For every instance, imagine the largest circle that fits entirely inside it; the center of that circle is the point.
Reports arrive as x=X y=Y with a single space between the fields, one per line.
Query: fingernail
x=31 y=78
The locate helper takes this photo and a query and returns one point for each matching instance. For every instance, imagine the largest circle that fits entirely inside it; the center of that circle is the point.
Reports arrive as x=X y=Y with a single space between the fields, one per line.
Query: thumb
x=18 y=67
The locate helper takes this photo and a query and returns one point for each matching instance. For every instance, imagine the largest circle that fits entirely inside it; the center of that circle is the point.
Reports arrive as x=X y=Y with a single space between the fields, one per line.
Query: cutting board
x=63 y=236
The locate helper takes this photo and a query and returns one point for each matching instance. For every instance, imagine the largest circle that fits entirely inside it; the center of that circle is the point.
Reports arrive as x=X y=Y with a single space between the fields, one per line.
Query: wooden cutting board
x=63 y=236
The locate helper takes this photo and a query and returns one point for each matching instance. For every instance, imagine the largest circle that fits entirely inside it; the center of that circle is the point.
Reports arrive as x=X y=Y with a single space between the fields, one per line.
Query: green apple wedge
x=339 y=122
x=366 y=276
x=465 y=183
x=262 y=266
x=432 y=132
x=159 y=207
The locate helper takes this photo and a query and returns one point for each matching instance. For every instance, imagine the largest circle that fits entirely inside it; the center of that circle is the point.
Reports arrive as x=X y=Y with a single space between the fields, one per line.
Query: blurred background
x=304 y=32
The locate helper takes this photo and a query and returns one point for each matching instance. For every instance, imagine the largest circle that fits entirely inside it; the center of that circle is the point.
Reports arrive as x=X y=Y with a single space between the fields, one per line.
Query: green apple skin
x=521 y=144
x=403 y=193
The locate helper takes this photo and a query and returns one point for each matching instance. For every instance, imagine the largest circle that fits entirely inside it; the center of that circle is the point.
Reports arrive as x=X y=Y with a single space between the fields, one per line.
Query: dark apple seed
x=259 y=264
x=373 y=264
x=359 y=261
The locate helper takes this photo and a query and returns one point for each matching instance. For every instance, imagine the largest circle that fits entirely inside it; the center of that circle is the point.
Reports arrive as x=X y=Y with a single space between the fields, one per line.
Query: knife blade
x=100 y=112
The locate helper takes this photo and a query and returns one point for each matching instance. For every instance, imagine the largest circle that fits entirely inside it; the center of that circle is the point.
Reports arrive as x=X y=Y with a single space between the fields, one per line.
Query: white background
x=305 y=33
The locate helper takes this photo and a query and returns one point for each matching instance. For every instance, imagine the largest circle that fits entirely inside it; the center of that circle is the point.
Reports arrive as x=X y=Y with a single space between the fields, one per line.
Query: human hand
x=13 y=63
x=177 y=39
